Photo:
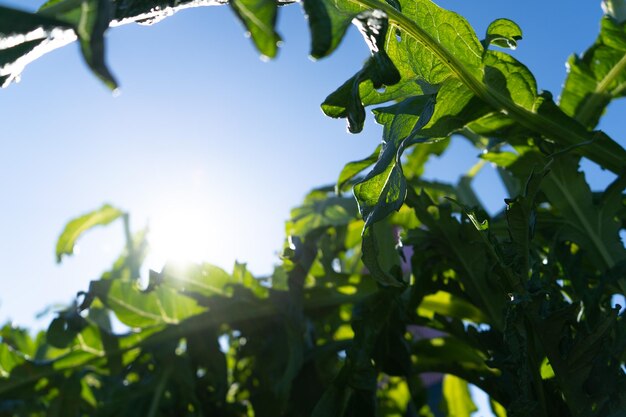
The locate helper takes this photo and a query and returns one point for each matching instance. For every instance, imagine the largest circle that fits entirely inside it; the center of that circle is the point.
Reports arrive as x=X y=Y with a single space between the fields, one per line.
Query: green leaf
x=449 y=305
x=137 y=309
x=380 y=255
x=449 y=29
x=457 y=398
x=433 y=355
x=416 y=158
x=598 y=76
x=591 y=226
x=68 y=402
x=201 y=279
x=75 y=228
x=379 y=70
x=521 y=219
x=65 y=328
x=259 y=18
x=9 y=359
x=90 y=19
x=460 y=244
x=418 y=67
x=506 y=74
x=462 y=64
x=615 y=8
x=328 y=22
x=497 y=408
x=503 y=33
x=456 y=107
x=352 y=169
x=320 y=211
x=383 y=190
x=24 y=37
x=597 y=145
x=335 y=399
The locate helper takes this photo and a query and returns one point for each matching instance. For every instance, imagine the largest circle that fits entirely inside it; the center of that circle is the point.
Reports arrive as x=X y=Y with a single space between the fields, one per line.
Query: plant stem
x=158 y=392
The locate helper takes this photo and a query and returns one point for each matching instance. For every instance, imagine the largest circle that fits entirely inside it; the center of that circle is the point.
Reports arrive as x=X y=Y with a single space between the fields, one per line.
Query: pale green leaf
x=136 y=309
x=457 y=398
x=75 y=228
x=449 y=305
x=503 y=33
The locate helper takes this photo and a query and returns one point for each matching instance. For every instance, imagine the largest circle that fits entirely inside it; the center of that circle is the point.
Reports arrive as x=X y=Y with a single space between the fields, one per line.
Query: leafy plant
x=521 y=300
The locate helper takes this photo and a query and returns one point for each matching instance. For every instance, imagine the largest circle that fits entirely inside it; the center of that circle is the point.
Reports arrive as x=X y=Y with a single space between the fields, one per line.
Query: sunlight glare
x=183 y=234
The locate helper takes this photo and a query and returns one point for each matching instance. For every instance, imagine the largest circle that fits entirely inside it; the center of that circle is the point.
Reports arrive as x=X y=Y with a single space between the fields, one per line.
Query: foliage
x=522 y=299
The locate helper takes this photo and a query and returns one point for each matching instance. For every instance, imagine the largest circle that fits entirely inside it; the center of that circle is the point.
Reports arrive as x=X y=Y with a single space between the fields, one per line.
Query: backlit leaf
x=503 y=33
x=457 y=397
x=505 y=73
x=598 y=76
x=352 y=169
x=75 y=228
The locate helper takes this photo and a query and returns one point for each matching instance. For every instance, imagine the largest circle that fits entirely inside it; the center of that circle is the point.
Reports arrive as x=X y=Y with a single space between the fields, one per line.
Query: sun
x=182 y=234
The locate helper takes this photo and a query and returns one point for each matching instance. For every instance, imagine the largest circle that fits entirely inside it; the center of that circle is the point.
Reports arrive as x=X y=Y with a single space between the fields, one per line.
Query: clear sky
x=207 y=133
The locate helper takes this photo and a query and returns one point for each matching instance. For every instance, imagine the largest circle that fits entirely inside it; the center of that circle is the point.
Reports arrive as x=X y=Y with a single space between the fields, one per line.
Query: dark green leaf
x=593 y=227
x=380 y=255
x=90 y=19
x=521 y=219
x=379 y=69
x=23 y=37
x=335 y=400
x=259 y=18
x=328 y=22
x=460 y=244
x=65 y=328
x=597 y=147
x=383 y=190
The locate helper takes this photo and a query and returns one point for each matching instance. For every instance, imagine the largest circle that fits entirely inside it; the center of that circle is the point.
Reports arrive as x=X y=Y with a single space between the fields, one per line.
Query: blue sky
x=206 y=132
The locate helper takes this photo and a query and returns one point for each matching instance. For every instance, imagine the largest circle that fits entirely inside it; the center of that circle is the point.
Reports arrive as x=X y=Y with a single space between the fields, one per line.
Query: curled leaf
x=503 y=33
x=75 y=228
x=346 y=101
